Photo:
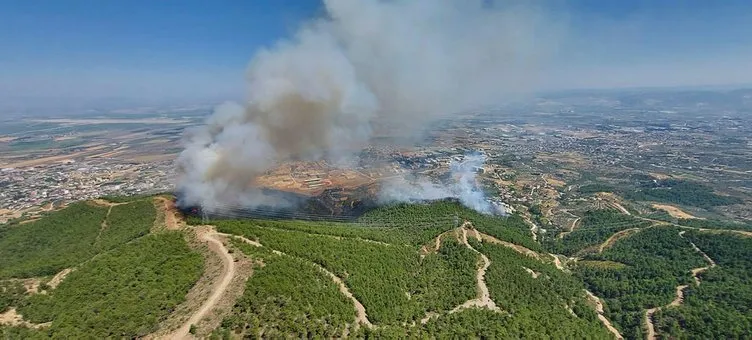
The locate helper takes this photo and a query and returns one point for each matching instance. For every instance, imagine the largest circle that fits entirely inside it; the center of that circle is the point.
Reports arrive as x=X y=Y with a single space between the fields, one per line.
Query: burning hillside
x=317 y=96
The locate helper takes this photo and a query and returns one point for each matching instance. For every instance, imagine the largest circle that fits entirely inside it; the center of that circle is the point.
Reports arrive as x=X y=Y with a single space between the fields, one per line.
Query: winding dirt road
x=621 y=208
x=679 y=298
x=228 y=271
x=484 y=297
x=361 y=318
x=599 y=310
x=518 y=248
x=615 y=237
x=571 y=228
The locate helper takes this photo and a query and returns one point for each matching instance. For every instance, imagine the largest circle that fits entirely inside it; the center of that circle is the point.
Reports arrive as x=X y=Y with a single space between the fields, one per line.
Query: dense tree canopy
x=655 y=261
x=721 y=306
x=121 y=293
x=46 y=246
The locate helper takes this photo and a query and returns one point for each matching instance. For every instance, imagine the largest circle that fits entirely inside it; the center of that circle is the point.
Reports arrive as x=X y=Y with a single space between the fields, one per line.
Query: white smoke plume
x=463 y=186
x=316 y=95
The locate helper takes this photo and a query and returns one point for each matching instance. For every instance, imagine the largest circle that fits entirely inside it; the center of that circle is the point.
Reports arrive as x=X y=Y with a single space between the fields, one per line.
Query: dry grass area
x=42 y=160
x=111 y=153
x=555 y=182
x=62 y=138
x=674 y=211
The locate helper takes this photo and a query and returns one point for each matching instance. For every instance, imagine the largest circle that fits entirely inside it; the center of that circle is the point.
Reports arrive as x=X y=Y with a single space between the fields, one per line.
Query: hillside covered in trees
x=128 y=268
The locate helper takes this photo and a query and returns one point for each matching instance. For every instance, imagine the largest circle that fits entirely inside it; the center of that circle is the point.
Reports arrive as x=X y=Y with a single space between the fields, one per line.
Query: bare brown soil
x=743 y=233
x=172 y=220
x=615 y=237
x=12 y=318
x=204 y=288
x=208 y=235
x=532 y=273
x=613 y=201
x=621 y=208
x=739 y=232
x=59 y=277
x=557 y=262
x=599 y=309
x=361 y=318
x=435 y=244
x=674 y=211
x=428 y=317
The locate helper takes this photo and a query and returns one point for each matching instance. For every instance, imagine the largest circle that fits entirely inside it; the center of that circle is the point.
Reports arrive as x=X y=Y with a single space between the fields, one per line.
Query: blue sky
x=199 y=49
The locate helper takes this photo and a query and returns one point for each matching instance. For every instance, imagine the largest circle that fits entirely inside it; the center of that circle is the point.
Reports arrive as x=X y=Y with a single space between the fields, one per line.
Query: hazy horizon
x=76 y=54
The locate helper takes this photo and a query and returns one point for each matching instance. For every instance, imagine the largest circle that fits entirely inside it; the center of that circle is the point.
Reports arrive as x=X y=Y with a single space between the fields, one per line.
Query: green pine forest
x=128 y=275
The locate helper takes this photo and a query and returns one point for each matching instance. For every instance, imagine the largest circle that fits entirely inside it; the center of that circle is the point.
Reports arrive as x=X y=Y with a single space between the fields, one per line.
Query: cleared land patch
x=674 y=211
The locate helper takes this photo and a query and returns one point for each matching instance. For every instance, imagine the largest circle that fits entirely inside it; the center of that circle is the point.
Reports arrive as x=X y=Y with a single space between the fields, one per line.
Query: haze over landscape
x=376 y=169
x=75 y=51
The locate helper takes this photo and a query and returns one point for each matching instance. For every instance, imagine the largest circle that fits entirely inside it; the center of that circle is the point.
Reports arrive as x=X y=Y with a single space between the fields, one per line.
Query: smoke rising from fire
x=463 y=186
x=316 y=95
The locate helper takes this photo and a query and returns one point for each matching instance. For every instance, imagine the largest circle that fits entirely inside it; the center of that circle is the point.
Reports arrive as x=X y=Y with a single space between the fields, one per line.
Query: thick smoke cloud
x=316 y=95
x=463 y=186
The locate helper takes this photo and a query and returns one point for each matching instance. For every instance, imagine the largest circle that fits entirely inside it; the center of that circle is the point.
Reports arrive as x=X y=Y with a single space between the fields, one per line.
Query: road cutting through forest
x=679 y=290
x=361 y=318
x=207 y=234
x=615 y=237
x=484 y=297
x=571 y=228
x=601 y=317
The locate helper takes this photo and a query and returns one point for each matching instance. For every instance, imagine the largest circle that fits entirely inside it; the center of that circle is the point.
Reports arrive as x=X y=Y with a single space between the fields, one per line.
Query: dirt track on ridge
x=601 y=317
x=679 y=291
x=12 y=318
x=360 y=311
x=172 y=222
x=484 y=297
x=571 y=228
x=228 y=272
x=615 y=237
